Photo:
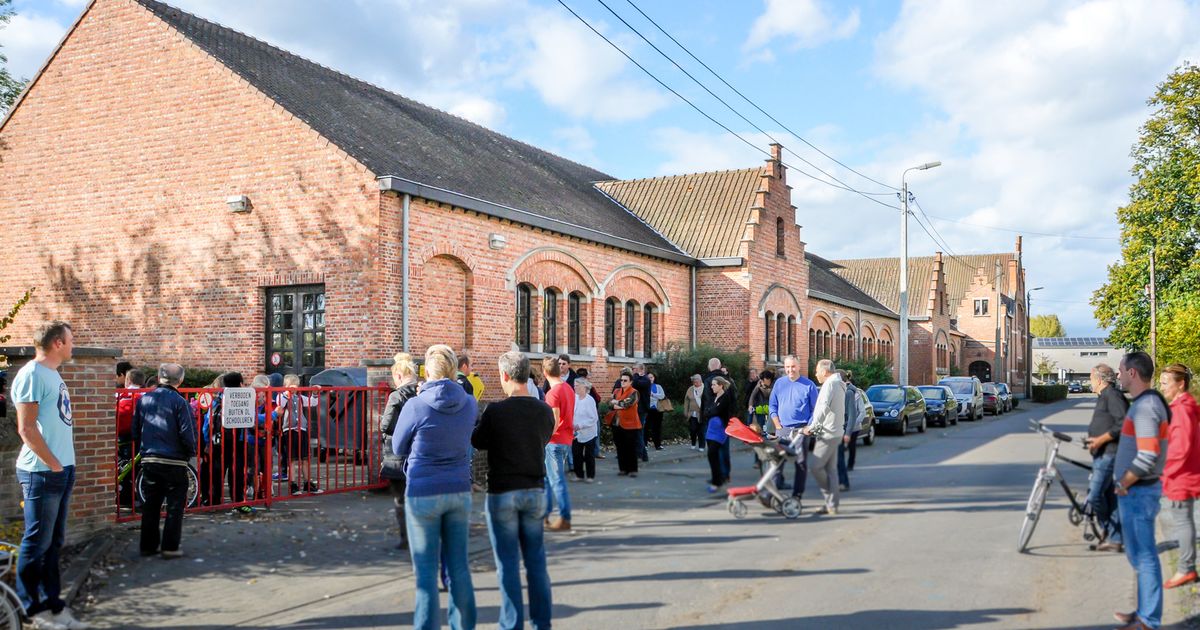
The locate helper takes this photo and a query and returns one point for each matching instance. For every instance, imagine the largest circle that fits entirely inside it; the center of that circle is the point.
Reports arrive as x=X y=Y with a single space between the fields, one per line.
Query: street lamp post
x=903 y=367
x=1029 y=345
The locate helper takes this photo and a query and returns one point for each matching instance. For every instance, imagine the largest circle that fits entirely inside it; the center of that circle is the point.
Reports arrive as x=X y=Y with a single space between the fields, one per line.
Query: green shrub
x=866 y=373
x=674 y=371
x=1049 y=393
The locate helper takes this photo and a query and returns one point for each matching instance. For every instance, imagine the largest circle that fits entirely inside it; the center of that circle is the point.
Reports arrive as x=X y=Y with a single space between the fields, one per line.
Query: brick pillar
x=89 y=379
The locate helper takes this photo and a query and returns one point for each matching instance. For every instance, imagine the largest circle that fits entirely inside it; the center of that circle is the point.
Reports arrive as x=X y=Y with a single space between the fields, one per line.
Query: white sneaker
x=67 y=620
x=45 y=621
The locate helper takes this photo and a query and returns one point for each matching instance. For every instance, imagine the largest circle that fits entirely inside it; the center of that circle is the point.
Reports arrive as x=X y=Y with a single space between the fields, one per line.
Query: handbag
x=665 y=405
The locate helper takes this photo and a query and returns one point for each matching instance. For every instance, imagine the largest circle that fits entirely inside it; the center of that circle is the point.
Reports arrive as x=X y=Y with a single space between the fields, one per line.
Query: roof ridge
x=679 y=175
x=364 y=82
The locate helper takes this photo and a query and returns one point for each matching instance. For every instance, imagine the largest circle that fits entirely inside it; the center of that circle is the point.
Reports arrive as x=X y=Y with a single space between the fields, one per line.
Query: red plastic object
x=742 y=432
x=742 y=491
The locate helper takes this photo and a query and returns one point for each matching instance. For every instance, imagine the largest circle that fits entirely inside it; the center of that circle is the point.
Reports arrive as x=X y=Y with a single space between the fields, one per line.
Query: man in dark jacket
x=714 y=370
x=165 y=432
x=1103 y=434
x=642 y=384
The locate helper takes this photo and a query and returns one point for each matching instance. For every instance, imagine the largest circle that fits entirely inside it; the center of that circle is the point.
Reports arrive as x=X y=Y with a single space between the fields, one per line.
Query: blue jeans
x=515 y=527
x=47 y=495
x=437 y=526
x=1102 y=499
x=556 y=481
x=1138 y=511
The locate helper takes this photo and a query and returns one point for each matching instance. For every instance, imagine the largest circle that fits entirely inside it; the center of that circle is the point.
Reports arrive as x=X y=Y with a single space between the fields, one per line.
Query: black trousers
x=583 y=455
x=626 y=441
x=397 y=487
x=801 y=467
x=715 y=463
x=695 y=435
x=654 y=421
x=169 y=483
x=234 y=454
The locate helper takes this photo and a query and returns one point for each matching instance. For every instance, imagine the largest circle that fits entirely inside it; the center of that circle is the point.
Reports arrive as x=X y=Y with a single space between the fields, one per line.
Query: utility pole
x=996 y=360
x=902 y=368
x=1153 y=310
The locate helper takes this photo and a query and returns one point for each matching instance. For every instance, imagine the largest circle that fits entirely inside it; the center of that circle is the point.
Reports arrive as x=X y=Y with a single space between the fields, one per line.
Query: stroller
x=773 y=454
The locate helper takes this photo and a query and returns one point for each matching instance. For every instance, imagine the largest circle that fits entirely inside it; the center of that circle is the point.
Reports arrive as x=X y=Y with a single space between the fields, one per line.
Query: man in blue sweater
x=793 y=399
x=165 y=432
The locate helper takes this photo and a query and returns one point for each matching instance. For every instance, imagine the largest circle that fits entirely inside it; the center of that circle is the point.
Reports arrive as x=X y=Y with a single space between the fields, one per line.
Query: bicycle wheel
x=1033 y=510
x=193 y=489
x=10 y=608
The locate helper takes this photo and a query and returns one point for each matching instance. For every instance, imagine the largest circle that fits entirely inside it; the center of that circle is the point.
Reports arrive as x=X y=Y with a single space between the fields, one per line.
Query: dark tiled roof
x=822 y=278
x=393 y=135
x=880 y=277
x=705 y=214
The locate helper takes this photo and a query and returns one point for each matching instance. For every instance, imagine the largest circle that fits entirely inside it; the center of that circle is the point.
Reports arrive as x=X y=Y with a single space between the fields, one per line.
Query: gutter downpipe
x=404 y=316
x=693 y=306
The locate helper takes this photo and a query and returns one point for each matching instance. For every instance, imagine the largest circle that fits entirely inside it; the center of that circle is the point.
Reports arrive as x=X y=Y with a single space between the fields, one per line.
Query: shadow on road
x=924 y=619
x=716 y=574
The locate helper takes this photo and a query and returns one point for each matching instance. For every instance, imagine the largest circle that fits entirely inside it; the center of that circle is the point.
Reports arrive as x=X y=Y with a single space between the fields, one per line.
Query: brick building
x=182 y=191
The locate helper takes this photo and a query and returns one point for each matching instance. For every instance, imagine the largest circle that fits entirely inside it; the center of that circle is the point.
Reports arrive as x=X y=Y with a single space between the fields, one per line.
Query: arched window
x=630 y=327
x=610 y=326
x=550 y=321
x=780 y=336
x=648 y=331
x=768 y=334
x=574 y=325
x=791 y=335
x=812 y=342
x=524 y=325
x=779 y=237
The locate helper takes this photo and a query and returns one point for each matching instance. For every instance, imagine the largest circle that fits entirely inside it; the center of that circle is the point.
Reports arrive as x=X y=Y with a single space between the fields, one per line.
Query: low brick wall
x=89 y=378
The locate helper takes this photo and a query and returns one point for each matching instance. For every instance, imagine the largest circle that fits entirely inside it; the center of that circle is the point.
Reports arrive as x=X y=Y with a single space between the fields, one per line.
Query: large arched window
x=610 y=326
x=524 y=323
x=574 y=325
x=550 y=321
x=648 y=331
x=812 y=343
x=780 y=336
x=791 y=335
x=630 y=327
x=779 y=237
x=768 y=334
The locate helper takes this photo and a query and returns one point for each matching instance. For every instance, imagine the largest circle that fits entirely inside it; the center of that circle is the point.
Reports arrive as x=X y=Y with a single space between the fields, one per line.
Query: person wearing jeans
x=1181 y=472
x=433 y=434
x=513 y=432
x=561 y=399
x=1104 y=431
x=1141 y=452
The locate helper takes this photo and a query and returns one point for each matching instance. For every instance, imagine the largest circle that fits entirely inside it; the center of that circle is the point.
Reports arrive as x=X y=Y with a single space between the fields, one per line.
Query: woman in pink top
x=1181 y=472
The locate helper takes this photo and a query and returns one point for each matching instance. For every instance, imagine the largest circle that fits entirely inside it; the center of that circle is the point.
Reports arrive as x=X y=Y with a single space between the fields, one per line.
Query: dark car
x=1075 y=388
x=991 y=399
x=867 y=432
x=969 y=392
x=1006 y=397
x=897 y=407
x=940 y=404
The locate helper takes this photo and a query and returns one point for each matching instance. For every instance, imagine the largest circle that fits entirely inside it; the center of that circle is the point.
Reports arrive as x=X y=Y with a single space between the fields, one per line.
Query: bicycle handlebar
x=1037 y=426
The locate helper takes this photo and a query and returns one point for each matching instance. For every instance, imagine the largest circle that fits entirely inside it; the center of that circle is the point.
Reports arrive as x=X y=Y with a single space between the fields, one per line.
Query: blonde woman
x=404 y=379
x=433 y=435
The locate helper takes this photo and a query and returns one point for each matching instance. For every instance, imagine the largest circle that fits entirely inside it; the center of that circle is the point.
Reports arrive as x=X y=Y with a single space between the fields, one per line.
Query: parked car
x=867 y=432
x=1075 y=387
x=898 y=407
x=940 y=404
x=991 y=399
x=969 y=392
x=1006 y=397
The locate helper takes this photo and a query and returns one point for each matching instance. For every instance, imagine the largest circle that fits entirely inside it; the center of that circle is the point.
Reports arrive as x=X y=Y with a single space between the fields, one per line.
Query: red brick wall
x=722 y=304
x=116 y=170
x=89 y=380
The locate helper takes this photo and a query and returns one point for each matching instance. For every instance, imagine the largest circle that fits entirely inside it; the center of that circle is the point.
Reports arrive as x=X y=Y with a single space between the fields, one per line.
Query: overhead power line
x=1026 y=232
x=752 y=103
x=726 y=103
x=706 y=114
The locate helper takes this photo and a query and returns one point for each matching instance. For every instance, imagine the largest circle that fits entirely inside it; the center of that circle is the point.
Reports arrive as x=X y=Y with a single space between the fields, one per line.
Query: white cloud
x=478 y=110
x=803 y=23
x=575 y=71
x=27 y=41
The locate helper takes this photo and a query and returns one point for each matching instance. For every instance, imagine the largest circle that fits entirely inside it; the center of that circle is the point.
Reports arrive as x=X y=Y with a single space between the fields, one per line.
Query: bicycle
x=1080 y=512
x=10 y=605
x=125 y=467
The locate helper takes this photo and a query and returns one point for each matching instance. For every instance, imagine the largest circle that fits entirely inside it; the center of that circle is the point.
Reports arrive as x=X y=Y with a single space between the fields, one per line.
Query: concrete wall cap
x=78 y=352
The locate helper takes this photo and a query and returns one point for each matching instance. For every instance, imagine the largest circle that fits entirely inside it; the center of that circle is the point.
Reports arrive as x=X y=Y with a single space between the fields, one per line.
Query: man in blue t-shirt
x=793 y=399
x=46 y=471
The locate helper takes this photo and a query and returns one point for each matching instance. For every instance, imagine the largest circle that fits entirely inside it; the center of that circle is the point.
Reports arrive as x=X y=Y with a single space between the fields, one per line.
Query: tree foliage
x=1046 y=326
x=1163 y=215
x=1179 y=332
x=10 y=87
x=11 y=316
x=1045 y=366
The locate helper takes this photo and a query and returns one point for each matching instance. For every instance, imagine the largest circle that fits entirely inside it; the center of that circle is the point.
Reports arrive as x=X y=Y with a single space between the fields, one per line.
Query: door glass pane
x=320 y=301
x=320 y=359
x=308 y=358
x=320 y=319
x=289 y=358
x=309 y=321
x=309 y=299
x=319 y=341
x=276 y=321
x=276 y=340
x=288 y=342
x=309 y=339
x=276 y=302
x=288 y=303
x=288 y=322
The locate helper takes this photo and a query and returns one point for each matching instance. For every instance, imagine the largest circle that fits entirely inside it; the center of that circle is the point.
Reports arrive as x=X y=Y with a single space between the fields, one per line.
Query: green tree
x=1179 y=332
x=12 y=313
x=10 y=87
x=1046 y=326
x=1163 y=216
x=1044 y=367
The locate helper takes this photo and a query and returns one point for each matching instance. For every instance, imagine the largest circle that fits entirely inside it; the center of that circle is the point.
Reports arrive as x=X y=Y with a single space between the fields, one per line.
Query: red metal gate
x=277 y=459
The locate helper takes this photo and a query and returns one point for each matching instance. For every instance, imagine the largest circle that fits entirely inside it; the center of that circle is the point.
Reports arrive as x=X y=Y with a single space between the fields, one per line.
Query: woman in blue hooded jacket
x=433 y=437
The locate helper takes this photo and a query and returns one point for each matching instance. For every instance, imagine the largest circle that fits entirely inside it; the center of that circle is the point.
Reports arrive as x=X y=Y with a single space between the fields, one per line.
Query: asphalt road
x=926 y=539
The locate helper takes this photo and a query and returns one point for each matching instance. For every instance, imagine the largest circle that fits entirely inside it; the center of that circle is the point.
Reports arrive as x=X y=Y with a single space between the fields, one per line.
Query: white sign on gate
x=238 y=408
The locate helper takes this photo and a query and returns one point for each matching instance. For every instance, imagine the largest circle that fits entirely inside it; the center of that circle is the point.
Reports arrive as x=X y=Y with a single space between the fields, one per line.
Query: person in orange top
x=1181 y=472
x=626 y=424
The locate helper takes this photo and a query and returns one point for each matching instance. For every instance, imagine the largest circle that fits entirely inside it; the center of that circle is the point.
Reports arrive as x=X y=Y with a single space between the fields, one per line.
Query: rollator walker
x=774 y=453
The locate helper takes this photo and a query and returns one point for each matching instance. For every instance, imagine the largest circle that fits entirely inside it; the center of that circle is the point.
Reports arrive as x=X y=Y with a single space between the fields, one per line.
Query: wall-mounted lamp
x=497 y=241
x=238 y=203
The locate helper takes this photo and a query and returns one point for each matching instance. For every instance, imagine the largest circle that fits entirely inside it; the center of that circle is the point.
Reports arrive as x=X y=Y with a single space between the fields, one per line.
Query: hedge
x=1049 y=393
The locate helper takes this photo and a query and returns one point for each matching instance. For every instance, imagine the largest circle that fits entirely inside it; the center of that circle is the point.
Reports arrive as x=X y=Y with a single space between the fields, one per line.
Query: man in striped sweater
x=1141 y=452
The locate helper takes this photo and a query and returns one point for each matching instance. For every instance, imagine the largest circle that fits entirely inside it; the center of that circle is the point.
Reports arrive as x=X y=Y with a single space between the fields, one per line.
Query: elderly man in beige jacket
x=829 y=419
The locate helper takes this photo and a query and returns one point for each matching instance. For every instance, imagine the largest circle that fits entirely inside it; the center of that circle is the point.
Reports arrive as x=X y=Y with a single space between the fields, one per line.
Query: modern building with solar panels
x=1073 y=357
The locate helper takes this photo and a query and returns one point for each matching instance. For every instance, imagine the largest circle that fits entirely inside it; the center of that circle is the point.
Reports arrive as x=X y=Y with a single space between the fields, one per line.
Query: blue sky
x=1032 y=106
